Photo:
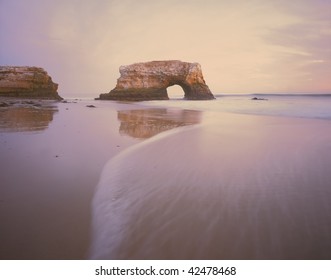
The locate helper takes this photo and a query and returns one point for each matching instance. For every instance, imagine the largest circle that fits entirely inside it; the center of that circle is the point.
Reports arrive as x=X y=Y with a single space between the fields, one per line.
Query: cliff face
x=150 y=80
x=27 y=82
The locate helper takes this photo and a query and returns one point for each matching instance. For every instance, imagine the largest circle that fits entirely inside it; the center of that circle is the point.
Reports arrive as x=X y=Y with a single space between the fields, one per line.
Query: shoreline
x=51 y=162
x=254 y=188
x=46 y=210
x=49 y=168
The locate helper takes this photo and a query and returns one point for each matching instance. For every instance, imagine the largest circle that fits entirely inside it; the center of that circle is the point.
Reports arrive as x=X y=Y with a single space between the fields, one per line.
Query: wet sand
x=232 y=187
x=210 y=186
x=52 y=155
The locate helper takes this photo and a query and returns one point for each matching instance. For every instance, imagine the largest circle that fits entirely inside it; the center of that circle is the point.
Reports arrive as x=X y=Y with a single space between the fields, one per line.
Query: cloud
x=302 y=48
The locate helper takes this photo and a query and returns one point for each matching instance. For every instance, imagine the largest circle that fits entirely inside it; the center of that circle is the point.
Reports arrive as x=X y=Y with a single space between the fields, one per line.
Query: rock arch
x=150 y=80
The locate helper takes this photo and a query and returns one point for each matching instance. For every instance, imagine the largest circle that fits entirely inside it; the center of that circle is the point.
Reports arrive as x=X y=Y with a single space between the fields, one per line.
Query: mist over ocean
x=290 y=105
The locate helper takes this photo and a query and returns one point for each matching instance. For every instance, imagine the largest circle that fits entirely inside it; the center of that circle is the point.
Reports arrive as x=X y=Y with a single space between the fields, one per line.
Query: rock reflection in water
x=149 y=122
x=26 y=118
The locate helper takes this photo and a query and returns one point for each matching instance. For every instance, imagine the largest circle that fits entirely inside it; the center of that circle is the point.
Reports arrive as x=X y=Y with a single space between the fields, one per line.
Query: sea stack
x=27 y=82
x=150 y=80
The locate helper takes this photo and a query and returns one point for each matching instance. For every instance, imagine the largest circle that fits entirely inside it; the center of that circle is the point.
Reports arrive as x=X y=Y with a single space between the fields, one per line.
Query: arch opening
x=175 y=92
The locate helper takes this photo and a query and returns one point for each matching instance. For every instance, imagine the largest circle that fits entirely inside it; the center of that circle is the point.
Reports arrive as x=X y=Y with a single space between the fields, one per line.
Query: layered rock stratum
x=27 y=82
x=150 y=80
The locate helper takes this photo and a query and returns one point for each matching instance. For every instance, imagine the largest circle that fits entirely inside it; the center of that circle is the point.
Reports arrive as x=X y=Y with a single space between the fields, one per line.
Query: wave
x=284 y=105
x=252 y=189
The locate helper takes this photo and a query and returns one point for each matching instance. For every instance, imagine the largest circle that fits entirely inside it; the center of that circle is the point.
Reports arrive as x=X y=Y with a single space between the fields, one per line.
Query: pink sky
x=243 y=46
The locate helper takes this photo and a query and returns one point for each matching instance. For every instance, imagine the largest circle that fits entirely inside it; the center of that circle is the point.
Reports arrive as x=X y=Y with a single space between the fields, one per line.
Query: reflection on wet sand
x=26 y=117
x=149 y=122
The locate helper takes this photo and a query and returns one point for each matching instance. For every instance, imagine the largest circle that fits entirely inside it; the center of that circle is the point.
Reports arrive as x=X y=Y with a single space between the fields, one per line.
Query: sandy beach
x=52 y=155
x=48 y=176
x=232 y=187
x=179 y=184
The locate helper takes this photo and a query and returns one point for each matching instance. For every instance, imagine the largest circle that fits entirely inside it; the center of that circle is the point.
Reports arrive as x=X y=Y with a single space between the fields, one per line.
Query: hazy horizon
x=260 y=46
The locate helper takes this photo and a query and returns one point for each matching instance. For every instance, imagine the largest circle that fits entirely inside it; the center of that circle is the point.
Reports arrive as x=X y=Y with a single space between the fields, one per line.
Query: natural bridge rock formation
x=27 y=82
x=150 y=80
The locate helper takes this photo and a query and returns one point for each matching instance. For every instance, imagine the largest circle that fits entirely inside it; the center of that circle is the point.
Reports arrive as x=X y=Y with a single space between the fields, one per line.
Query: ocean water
x=241 y=186
x=289 y=105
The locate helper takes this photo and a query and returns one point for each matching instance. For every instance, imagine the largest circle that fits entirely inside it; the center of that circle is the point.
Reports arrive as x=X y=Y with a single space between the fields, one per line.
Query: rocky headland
x=27 y=82
x=150 y=80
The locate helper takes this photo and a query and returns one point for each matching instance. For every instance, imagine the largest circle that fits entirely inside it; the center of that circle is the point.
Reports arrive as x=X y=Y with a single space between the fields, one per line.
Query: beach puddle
x=145 y=123
x=26 y=116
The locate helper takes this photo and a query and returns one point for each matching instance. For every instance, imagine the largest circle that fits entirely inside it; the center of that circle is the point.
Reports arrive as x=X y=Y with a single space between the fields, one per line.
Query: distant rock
x=150 y=80
x=258 y=98
x=4 y=104
x=27 y=82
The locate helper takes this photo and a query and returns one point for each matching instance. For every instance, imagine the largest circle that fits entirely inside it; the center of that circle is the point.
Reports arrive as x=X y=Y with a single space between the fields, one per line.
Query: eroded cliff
x=27 y=82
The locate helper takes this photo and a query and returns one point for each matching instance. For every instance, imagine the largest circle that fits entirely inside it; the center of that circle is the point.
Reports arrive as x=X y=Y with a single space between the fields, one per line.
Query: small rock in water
x=4 y=104
x=90 y=106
